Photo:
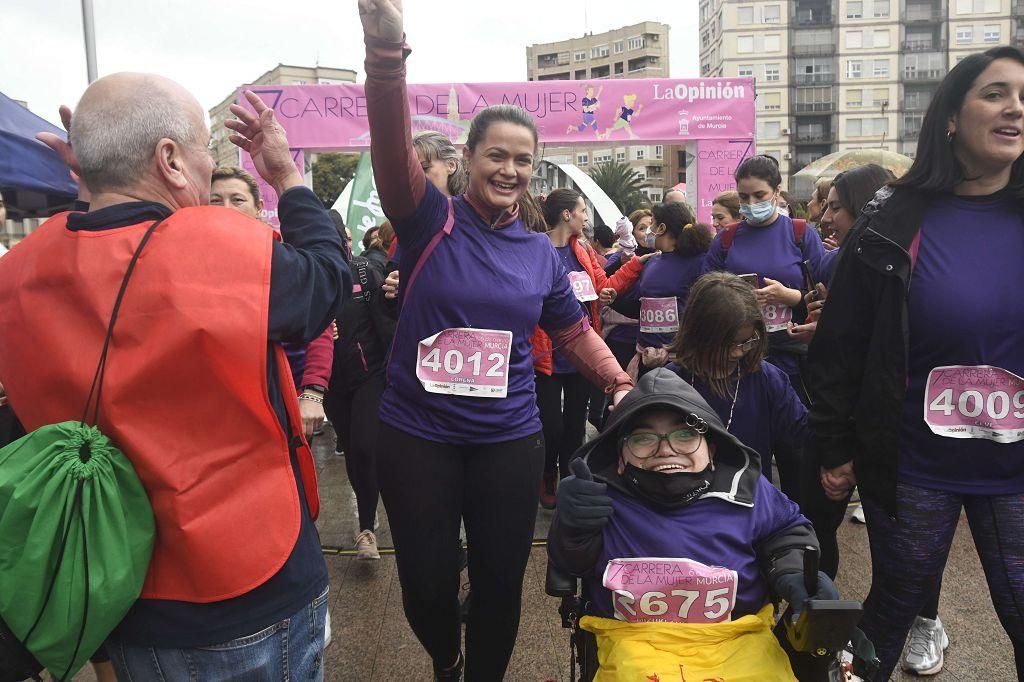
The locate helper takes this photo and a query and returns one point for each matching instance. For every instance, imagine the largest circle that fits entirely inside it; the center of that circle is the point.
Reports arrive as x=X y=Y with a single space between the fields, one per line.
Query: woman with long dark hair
x=915 y=370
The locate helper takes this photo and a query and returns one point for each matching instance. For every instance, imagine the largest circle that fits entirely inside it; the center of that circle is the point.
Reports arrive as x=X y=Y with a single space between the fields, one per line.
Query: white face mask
x=783 y=210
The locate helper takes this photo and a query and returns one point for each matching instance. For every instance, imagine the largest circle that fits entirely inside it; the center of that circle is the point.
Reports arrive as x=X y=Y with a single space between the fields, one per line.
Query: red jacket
x=622 y=281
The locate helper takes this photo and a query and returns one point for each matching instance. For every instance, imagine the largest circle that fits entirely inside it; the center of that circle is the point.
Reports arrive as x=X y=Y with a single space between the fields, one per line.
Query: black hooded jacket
x=735 y=479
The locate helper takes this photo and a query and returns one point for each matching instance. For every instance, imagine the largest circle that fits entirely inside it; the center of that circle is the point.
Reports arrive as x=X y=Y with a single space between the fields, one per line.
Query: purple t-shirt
x=828 y=267
x=663 y=276
x=965 y=308
x=769 y=251
x=767 y=413
x=711 y=531
x=480 y=277
x=560 y=363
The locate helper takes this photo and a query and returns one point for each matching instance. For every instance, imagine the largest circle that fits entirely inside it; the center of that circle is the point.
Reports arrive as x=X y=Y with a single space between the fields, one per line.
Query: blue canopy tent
x=33 y=179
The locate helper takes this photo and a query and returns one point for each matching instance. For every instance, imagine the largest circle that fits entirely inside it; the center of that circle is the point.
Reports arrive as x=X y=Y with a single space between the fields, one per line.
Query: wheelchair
x=823 y=645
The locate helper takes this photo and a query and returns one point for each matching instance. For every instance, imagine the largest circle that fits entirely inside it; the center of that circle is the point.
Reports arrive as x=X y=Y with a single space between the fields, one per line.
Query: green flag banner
x=364 y=209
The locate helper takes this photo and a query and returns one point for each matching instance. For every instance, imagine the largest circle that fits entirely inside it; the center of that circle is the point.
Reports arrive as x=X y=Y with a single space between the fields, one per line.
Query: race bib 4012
x=671 y=590
x=978 y=401
x=467 y=362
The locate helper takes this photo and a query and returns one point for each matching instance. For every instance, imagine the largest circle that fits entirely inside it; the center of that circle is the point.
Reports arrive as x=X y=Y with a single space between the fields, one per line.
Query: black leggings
x=427 y=489
x=361 y=408
x=564 y=424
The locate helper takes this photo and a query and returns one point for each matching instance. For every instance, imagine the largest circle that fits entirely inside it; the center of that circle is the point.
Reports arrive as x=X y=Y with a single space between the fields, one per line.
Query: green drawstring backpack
x=76 y=536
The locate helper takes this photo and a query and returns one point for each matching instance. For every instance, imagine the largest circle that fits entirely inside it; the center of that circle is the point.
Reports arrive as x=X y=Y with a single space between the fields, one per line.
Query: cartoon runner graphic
x=590 y=105
x=626 y=114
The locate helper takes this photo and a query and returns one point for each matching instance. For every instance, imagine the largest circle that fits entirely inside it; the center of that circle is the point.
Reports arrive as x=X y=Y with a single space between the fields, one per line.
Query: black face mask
x=668 y=491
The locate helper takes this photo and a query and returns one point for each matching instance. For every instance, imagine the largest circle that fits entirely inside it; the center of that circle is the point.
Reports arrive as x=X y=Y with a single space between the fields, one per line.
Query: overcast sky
x=211 y=47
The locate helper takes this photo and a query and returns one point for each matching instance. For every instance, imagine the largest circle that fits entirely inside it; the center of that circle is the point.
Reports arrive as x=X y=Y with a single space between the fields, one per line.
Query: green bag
x=76 y=535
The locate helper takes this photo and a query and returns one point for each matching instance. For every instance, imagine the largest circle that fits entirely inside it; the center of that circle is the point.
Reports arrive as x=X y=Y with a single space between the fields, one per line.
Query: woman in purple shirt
x=460 y=435
x=915 y=370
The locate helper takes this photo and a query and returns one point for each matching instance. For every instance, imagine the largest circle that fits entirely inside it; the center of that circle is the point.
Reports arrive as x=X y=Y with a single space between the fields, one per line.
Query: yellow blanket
x=743 y=650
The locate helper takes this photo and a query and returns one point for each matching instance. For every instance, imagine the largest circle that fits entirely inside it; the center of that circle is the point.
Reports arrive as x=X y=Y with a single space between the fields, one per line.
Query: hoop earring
x=949 y=136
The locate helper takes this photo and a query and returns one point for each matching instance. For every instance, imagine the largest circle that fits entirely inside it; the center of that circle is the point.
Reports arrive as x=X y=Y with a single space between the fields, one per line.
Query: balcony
x=814 y=79
x=926 y=14
x=647 y=71
x=804 y=20
x=814 y=107
x=923 y=45
x=813 y=50
x=924 y=75
x=814 y=137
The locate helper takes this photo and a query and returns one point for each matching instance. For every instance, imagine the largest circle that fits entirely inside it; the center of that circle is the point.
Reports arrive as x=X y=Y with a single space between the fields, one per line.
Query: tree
x=622 y=184
x=331 y=172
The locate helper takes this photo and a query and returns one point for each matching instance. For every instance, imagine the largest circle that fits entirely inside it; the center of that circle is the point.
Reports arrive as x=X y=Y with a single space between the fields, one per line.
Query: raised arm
x=396 y=168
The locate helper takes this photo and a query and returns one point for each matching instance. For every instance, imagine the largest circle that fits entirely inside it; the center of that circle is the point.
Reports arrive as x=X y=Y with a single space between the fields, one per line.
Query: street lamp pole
x=90 y=39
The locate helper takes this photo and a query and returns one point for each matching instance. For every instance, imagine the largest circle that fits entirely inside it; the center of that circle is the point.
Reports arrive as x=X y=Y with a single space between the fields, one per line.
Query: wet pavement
x=372 y=642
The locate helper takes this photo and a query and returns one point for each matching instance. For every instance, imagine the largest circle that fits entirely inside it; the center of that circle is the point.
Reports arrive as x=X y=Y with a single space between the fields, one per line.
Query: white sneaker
x=858 y=514
x=927 y=641
x=366 y=545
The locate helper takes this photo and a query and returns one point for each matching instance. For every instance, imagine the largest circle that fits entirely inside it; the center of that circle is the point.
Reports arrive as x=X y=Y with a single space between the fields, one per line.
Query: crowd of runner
x=871 y=347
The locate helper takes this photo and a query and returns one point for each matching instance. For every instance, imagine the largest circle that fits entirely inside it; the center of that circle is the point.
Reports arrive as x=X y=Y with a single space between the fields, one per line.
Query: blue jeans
x=292 y=649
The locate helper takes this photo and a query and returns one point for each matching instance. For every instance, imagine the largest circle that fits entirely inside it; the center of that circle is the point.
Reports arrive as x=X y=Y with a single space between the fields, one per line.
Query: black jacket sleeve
x=383 y=314
x=573 y=550
x=783 y=553
x=309 y=277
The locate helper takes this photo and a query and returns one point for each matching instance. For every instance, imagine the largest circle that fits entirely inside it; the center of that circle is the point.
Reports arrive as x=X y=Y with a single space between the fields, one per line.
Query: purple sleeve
x=788 y=413
x=813 y=252
x=560 y=309
x=715 y=258
x=774 y=512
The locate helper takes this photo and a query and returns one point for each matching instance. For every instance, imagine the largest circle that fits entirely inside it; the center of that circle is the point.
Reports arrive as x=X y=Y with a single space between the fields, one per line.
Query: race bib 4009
x=975 y=402
x=672 y=590
x=468 y=362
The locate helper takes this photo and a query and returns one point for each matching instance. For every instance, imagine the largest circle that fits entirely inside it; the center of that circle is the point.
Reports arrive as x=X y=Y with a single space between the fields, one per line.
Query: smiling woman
x=460 y=433
x=927 y=285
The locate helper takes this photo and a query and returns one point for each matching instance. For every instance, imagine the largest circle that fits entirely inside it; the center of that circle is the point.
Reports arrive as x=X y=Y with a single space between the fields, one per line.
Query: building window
x=854 y=9
x=772 y=101
x=854 y=127
x=745 y=71
x=879 y=96
x=580 y=75
x=602 y=157
x=771 y=72
x=854 y=98
x=580 y=56
x=745 y=15
x=992 y=33
x=770 y=130
x=638 y=153
x=853 y=69
x=620 y=157
x=655 y=197
x=771 y=14
x=964 y=6
x=745 y=44
x=659 y=151
x=617 y=47
x=854 y=39
x=635 y=43
x=881 y=68
x=772 y=43
x=619 y=67
x=881 y=9
x=599 y=51
x=582 y=159
x=880 y=38
x=965 y=34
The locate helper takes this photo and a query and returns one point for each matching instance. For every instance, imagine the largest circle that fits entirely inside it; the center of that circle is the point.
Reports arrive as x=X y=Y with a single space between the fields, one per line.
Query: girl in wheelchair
x=681 y=544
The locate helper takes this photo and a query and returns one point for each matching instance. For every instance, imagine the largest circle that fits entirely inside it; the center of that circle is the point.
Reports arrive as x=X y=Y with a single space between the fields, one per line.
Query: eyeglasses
x=685 y=441
x=746 y=345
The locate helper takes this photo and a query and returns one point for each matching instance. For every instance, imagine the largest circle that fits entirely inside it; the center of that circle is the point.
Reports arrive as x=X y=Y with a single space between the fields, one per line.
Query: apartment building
x=225 y=153
x=637 y=51
x=846 y=74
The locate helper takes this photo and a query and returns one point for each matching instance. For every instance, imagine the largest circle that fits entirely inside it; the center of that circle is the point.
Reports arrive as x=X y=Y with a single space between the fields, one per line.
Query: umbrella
x=833 y=164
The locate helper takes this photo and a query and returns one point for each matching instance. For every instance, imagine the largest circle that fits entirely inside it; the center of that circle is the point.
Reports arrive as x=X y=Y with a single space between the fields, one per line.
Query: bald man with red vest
x=197 y=393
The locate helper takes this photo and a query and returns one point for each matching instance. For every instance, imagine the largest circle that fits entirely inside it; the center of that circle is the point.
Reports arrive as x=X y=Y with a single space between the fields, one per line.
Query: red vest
x=185 y=395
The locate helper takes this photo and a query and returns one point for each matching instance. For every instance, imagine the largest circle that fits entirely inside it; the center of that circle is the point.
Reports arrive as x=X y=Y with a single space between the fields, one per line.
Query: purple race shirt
x=769 y=251
x=710 y=531
x=560 y=363
x=967 y=332
x=665 y=276
x=496 y=279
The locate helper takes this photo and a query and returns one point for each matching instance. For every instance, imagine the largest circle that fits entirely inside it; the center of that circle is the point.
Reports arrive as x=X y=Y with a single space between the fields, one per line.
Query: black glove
x=791 y=588
x=581 y=502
